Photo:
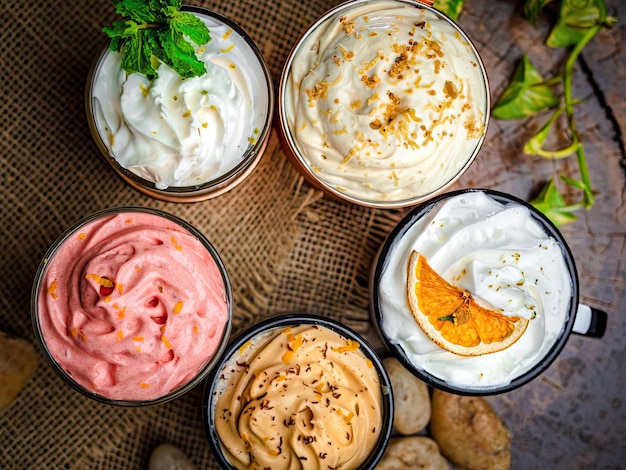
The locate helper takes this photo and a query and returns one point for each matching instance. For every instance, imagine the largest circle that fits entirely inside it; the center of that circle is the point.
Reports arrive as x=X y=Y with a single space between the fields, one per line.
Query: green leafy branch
x=157 y=29
x=451 y=8
x=528 y=94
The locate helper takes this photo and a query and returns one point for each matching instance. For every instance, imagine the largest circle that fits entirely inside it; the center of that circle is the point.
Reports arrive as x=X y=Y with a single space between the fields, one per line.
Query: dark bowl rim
x=292 y=319
x=288 y=140
x=37 y=286
x=248 y=159
x=397 y=351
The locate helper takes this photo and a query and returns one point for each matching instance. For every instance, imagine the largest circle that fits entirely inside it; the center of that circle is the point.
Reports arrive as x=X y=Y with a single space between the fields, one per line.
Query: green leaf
x=136 y=10
x=533 y=8
x=157 y=29
x=534 y=146
x=451 y=8
x=181 y=55
x=576 y=17
x=577 y=23
x=146 y=11
x=152 y=40
x=191 y=26
x=575 y=183
x=116 y=44
x=449 y=318
x=116 y=30
x=563 y=35
x=527 y=94
x=137 y=57
x=552 y=204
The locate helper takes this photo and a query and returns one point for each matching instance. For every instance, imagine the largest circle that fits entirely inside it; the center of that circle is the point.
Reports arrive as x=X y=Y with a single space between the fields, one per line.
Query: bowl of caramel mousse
x=298 y=391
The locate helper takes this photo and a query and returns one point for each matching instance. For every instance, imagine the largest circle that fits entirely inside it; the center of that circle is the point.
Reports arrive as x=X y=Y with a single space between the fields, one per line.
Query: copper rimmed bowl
x=383 y=103
x=185 y=140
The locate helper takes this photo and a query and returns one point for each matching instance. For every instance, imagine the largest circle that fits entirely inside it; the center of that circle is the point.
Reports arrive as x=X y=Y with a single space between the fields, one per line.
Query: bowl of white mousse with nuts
x=383 y=103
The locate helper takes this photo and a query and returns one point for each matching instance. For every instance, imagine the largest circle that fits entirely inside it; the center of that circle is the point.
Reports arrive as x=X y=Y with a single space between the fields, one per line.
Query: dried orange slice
x=451 y=317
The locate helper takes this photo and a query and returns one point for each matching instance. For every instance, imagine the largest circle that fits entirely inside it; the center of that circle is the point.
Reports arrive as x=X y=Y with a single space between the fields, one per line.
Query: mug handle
x=590 y=321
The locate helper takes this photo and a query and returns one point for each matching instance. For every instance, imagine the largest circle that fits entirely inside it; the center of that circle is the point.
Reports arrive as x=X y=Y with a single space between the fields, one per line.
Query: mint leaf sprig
x=528 y=94
x=157 y=29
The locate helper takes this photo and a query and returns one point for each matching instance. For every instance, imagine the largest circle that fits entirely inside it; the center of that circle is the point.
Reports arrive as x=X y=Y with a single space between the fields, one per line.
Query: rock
x=411 y=399
x=18 y=363
x=169 y=457
x=469 y=433
x=414 y=452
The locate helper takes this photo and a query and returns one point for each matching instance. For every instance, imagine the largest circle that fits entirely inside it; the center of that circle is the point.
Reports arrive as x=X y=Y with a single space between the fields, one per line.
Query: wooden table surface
x=573 y=415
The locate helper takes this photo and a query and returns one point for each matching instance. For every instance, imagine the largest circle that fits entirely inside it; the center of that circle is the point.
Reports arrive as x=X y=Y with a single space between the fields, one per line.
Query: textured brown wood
x=572 y=417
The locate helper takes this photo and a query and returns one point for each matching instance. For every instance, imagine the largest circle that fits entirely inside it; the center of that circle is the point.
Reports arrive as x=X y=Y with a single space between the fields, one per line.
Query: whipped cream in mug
x=505 y=259
x=386 y=101
x=177 y=132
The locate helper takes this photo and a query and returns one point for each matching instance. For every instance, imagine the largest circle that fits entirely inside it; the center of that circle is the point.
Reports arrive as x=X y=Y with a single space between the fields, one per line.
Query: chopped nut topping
x=348 y=27
x=320 y=90
x=370 y=82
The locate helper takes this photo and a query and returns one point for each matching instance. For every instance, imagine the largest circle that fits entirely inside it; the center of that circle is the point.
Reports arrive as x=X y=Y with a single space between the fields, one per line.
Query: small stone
x=168 y=457
x=469 y=433
x=414 y=452
x=18 y=363
x=411 y=399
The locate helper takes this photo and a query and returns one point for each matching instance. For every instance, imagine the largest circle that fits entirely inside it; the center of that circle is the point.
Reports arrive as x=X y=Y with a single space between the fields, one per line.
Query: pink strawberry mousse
x=132 y=306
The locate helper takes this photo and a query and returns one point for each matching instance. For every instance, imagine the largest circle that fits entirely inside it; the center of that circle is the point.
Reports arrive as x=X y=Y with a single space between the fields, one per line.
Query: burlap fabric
x=286 y=247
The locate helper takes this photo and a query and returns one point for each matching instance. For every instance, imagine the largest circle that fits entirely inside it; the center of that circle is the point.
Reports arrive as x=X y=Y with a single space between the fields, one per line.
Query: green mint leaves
x=157 y=29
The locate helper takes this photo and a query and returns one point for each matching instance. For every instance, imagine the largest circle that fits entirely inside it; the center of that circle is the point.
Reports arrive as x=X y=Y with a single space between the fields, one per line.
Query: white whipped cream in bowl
x=509 y=257
x=383 y=103
x=185 y=140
